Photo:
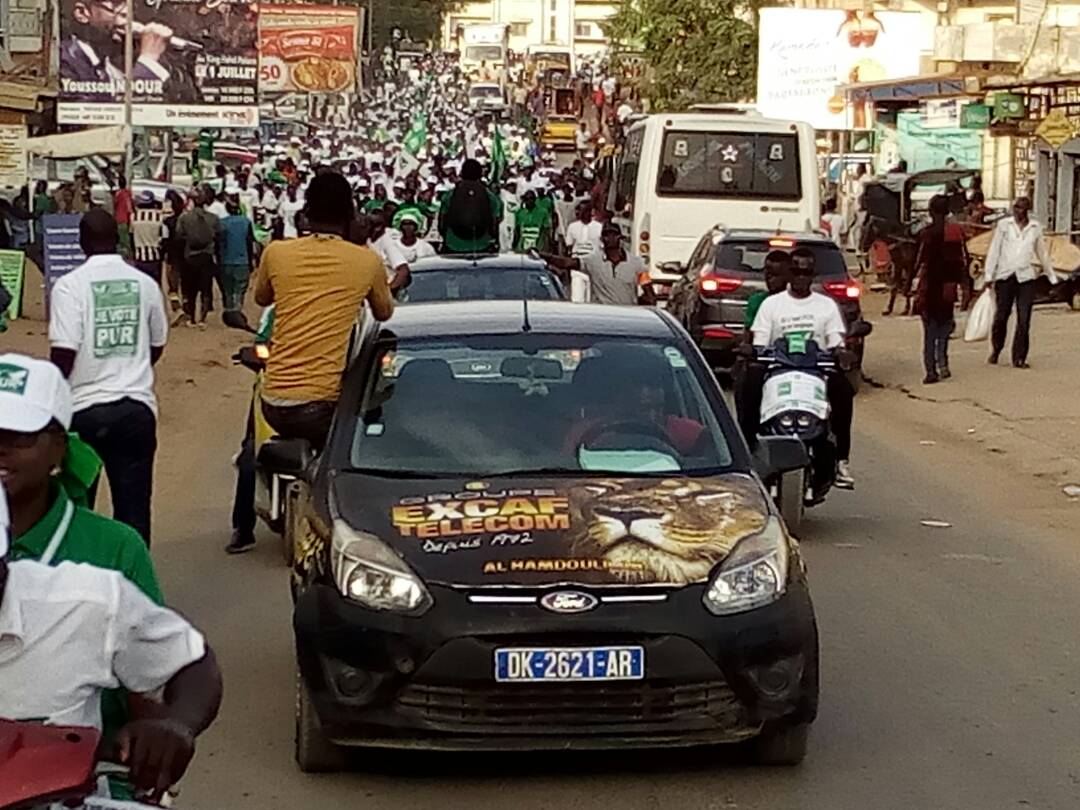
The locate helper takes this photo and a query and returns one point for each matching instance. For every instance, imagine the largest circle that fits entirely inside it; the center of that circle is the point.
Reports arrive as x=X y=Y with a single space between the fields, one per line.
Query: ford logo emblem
x=568 y=601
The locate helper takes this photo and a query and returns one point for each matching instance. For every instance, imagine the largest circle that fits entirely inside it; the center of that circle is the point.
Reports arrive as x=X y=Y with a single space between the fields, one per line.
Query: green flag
x=416 y=138
x=498 y=158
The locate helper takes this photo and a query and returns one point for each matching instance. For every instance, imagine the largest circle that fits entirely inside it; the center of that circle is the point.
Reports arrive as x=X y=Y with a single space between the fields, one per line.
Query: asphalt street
x=949 y=655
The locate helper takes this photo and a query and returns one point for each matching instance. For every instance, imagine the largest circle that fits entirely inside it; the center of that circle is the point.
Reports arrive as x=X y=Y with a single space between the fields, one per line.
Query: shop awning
x=70 y=145
x=914 y=88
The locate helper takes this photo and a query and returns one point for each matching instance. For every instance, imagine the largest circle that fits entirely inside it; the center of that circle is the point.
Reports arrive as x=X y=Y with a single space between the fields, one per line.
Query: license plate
x=530 y=664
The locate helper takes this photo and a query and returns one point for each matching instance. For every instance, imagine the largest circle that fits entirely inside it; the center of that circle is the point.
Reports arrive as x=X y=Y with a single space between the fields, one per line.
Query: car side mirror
x=675 y=268
x=775 y=455
x=861 y=329
x=286 y=456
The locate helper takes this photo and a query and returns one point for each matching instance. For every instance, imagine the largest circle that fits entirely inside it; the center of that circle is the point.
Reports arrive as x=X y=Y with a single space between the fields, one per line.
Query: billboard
x=195 y=63
x=310 y=49
x=806 y=55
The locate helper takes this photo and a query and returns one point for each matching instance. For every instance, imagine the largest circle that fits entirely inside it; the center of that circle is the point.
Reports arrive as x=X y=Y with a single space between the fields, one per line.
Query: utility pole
x=129 y=68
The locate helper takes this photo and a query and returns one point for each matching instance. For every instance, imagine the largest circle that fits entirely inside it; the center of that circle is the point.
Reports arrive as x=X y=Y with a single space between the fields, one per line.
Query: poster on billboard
x=806 y=55
x=12 y=155
x=310 y=49
x=196 y=63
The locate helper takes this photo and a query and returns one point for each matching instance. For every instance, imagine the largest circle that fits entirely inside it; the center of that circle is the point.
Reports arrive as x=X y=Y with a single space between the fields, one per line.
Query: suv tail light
x=714 y=284
x=847 y=290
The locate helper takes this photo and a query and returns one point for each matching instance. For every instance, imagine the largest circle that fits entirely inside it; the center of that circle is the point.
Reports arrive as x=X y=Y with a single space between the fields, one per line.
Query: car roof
x=456 y=319
x=503 y=261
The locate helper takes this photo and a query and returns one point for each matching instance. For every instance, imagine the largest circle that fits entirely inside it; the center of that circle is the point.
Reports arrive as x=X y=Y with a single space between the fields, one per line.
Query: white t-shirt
x=816 y=317
x=418 y=250
x=583 y=238
x=389 y=250
x=289 y=210
x=71 y=631
x=581 y=139
x=218 y=209
x=835 y=225
x=110 y=315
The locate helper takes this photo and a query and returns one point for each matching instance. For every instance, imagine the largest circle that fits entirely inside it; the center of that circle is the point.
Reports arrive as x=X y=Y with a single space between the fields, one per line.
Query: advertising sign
x=11 y=277
x=195 y=63
x=62 y=251
x=975 y=116
x=1008 y=105
x=806 y=55
x=310 y=49
x=13 y=155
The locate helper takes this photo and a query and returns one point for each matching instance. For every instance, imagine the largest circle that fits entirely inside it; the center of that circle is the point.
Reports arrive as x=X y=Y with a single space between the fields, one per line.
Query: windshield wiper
x=397 y=474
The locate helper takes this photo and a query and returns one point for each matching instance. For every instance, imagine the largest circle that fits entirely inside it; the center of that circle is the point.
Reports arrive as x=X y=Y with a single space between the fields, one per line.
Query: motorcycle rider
x=802 y=313
x=318 y=284
x=73 y=630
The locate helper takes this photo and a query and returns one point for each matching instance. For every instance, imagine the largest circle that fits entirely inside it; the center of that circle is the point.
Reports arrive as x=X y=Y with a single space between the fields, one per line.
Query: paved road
x=949 y=655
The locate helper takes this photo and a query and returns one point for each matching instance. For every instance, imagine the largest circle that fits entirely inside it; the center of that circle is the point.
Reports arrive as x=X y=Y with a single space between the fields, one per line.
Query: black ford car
x=535 y=526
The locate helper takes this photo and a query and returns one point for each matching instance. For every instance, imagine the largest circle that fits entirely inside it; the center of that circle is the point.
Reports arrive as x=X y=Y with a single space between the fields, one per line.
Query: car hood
x=537 y=531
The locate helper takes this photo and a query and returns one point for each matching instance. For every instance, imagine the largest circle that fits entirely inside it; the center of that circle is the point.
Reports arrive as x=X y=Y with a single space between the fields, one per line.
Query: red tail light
x=717 y=285
x=844 y=290
x=717 y=333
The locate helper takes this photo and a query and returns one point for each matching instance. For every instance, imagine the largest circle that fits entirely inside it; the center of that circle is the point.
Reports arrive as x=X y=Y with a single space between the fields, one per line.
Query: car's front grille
x=536 y=706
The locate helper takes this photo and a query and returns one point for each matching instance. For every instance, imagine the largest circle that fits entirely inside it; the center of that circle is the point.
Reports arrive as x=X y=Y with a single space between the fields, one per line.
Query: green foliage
x=421 y=19
x=695 y=51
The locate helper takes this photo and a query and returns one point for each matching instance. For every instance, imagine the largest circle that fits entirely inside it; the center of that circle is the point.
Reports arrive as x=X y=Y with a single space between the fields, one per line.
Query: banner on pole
x=310 y=49
x=62 y=250
x=195 y=63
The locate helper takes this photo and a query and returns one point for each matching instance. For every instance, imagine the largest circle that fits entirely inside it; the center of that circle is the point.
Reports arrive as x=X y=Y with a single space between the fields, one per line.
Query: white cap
x=32 y=393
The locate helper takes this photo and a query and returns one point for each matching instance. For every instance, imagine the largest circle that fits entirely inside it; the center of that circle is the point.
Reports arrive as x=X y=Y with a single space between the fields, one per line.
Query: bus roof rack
x=727 y=109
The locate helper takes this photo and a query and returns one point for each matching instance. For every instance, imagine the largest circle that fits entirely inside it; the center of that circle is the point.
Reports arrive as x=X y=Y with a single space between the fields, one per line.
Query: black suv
x=727 y=266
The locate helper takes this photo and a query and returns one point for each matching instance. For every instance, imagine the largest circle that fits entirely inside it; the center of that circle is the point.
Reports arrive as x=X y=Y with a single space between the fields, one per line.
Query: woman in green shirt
x=47 y=473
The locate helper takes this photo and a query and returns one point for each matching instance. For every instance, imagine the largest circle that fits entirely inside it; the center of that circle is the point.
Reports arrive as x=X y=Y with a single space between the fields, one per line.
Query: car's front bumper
x=391 y=681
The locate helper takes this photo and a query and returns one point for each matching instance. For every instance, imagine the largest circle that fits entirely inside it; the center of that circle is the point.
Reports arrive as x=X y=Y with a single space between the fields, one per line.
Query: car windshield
x=485 y=91
x=522 y=404
x=484 y=53
x=748 y=256
x=473 y=284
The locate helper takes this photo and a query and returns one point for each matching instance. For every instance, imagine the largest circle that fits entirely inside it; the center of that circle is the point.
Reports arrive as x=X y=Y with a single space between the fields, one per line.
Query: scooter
x=795 y=402
x=273 y=488
x=46 y=766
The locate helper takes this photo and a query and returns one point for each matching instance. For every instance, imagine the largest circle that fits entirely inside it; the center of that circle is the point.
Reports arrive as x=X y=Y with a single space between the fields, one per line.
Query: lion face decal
x=671 y=531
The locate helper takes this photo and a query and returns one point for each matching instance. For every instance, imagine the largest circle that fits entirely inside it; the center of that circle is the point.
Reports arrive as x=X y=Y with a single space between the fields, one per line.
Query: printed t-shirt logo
x=13 y=379
x=116 y=318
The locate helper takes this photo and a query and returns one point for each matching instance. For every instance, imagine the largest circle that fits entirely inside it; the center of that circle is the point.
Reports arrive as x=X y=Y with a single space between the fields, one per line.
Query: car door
x=683 y=301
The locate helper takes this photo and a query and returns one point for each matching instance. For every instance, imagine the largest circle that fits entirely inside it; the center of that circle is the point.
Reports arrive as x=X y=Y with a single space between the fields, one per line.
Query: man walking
x=197 y=230
x=1017 y=245
x=107 y=329
x=148 y=233
x=236 y=254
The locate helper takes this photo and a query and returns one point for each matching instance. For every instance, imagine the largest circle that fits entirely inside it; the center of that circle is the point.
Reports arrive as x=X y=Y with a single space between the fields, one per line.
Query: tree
x=420 y=19
x=695 y=51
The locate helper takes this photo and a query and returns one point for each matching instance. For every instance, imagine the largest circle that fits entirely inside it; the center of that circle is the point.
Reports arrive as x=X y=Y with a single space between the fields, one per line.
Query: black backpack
x=469 y=214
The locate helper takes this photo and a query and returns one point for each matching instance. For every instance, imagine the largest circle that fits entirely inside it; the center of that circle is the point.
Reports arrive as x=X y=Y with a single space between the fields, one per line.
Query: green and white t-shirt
x=110 y=315
x=816 y=317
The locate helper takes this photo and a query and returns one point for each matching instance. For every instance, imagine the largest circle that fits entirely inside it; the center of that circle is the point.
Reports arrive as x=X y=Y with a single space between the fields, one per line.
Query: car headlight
x=368 y=571
x=754 y=575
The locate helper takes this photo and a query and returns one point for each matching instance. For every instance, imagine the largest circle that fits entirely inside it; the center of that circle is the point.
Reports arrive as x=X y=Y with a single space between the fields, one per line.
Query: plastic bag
x=981 y=318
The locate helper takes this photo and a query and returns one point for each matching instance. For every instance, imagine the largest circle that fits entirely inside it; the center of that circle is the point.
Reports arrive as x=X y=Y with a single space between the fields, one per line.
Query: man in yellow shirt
x=317 y=284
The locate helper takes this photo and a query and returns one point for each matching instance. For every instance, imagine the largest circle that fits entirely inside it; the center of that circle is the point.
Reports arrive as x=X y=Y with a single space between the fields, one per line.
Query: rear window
x=471 y=284
x=729 y=164
x=748 y=257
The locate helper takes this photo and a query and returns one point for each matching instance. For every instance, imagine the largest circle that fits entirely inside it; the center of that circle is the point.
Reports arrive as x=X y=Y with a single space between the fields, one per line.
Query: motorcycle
x=274 y=488
x=54 y=766
x=795 y=402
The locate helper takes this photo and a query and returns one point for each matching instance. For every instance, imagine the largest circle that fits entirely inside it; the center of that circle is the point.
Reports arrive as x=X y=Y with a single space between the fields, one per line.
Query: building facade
x=538 y=22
